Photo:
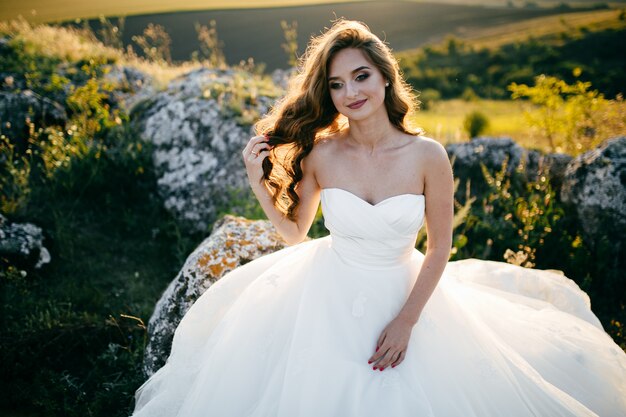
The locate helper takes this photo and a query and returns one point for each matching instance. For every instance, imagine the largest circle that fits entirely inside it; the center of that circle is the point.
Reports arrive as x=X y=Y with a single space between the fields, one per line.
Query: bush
x=475 y=123
x=572 y=118
x=428 y=97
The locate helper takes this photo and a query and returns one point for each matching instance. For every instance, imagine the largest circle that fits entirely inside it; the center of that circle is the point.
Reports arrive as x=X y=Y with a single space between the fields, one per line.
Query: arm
x=439 y=195
x=439 y=192
x=307 y=189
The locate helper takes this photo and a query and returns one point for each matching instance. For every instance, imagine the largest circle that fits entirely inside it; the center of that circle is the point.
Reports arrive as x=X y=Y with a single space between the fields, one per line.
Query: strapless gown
x=289 y=334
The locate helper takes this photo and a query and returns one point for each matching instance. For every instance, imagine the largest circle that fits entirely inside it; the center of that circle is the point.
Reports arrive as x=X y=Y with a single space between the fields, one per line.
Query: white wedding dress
x=289 y=334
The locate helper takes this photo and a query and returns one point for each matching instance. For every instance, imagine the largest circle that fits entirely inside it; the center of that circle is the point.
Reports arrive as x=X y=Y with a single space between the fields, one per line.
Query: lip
x=357 y=104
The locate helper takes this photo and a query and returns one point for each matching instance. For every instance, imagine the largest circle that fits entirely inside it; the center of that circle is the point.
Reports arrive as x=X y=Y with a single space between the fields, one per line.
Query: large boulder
x=18 y=107
x=233 y=242
x=493 y=152
x=595 y=187
x=132 y=86
x=22 y=244
x=197 y=136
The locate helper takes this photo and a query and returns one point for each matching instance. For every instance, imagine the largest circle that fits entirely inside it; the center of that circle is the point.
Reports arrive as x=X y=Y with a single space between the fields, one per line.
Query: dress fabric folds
x=289 y=334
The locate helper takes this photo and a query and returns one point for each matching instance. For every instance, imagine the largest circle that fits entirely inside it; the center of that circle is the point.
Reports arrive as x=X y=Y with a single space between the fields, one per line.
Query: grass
x=444 y=120
x=494 y=37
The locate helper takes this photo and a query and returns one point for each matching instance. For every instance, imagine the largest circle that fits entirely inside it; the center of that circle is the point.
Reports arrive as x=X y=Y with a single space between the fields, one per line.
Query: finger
x=399 y=360
x=377 y=353
x=378 y=356
x=387 y=359
x=260 y=146
x=253 y=141
x=381 y=339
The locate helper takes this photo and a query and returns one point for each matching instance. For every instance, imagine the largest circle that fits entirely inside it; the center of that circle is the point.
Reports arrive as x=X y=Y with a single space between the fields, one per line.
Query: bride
x=360 y=323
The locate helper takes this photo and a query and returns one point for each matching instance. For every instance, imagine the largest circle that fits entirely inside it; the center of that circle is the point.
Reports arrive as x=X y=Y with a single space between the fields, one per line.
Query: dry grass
x=73 y=45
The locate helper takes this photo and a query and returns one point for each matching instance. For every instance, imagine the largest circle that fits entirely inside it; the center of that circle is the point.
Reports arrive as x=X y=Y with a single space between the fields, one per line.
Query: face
x=356 y=86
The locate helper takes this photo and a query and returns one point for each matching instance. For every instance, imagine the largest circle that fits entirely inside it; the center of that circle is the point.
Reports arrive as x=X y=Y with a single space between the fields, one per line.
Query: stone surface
x=22 y=243
x=595 y=186
x=17 y=107
x=492 y=152
x=131 y=86
x=233 y=242
x=197 y=142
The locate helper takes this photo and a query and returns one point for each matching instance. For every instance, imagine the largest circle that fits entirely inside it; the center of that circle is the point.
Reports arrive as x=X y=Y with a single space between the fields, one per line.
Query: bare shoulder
x=320 y=156
x=322 y=150
x=431 y=152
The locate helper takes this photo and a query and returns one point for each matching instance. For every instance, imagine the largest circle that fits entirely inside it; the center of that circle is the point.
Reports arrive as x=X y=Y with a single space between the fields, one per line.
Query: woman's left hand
x=392 y=344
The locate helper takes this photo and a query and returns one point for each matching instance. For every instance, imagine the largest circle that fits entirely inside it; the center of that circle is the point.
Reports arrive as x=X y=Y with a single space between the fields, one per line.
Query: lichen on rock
x=233 y=242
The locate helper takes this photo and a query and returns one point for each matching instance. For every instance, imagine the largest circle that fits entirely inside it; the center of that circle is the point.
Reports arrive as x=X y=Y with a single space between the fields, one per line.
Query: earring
x=387 y=84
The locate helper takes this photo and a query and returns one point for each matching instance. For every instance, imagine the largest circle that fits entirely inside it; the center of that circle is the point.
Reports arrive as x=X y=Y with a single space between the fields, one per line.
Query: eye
x=335 y=86
x=362 y=77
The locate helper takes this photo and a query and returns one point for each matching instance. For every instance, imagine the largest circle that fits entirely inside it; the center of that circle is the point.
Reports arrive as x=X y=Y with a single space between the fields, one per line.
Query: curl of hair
x=307 y=112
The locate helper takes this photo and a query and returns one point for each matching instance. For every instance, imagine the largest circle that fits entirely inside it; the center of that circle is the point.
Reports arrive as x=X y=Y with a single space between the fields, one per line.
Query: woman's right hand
x=253 y=154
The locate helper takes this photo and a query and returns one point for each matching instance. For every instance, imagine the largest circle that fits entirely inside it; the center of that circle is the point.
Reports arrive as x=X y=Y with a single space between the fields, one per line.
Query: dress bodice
x=375 y=236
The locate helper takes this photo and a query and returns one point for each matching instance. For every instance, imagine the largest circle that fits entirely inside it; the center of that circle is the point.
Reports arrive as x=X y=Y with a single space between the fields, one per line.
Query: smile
x=357 y=104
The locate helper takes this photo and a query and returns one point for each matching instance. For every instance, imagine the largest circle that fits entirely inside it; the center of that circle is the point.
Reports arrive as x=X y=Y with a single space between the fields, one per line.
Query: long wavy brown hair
x=307 y=113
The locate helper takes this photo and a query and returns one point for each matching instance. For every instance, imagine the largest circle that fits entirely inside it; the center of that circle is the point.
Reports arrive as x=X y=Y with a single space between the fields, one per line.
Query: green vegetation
x=74 y=331
x=571 y=118
x=475 y=123
x=457 y=65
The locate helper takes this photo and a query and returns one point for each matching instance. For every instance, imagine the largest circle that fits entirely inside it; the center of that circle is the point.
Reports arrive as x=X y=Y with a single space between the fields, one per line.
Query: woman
x=359 y=323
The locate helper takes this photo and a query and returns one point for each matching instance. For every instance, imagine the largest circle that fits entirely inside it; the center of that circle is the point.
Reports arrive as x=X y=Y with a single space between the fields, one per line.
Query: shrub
x=428 y=97
x=475 y=123
x=571 y=117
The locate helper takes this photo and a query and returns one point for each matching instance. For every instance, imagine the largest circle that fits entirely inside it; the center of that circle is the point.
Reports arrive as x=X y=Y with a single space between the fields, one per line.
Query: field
x=256 y=32
x=444 y=120
x=493 y=37
x=47 y=11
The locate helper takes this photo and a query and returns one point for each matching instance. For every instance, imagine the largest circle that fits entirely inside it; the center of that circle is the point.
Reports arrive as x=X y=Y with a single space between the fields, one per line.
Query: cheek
x=335 y=96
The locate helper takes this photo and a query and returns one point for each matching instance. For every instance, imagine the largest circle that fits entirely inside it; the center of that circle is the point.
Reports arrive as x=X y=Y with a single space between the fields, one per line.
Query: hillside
x=486 y=65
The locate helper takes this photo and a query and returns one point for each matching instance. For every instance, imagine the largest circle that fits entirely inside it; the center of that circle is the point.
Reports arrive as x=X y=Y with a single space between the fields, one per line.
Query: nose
x=351 y=90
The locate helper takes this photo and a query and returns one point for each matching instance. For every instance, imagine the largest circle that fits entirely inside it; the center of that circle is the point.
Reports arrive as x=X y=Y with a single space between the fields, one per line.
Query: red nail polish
x=377 y=348
x=393 y=366
x=374 y=368
x=381 y=369
x=369 y=361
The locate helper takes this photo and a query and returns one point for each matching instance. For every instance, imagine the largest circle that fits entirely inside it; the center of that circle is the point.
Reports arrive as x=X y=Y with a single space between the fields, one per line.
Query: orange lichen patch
x=204 y=260
x=218 y=268
x=245 y=242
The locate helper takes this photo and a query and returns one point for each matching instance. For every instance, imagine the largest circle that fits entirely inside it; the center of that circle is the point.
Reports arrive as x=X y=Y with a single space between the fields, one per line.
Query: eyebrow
x=353 y=71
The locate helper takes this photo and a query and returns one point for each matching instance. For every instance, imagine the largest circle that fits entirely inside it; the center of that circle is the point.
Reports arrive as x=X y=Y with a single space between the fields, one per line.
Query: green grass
x=444 y=120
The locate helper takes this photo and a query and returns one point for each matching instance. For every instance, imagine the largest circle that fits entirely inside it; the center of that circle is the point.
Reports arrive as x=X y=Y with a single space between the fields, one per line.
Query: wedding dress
x=289 y=334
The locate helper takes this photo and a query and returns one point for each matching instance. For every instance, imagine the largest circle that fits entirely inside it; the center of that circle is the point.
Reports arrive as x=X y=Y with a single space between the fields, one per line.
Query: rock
x=197 y=141
x=281 y=76
x=233 y=242
x=22 y=244
x=595 y=185
x=16 y=108
x=492 y=152
x=132 y=85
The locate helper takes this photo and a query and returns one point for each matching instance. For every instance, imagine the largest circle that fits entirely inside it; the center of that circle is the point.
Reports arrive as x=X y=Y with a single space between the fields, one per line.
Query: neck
x=372 y=134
